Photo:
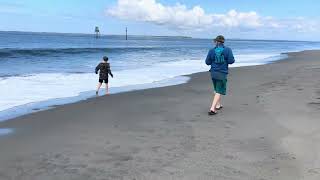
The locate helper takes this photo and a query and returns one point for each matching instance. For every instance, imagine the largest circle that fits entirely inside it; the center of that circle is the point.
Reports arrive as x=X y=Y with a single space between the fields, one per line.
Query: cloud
x=237 y=19
x=196 y=19
x=151 y=11
x=179 y=16
x=6 y=7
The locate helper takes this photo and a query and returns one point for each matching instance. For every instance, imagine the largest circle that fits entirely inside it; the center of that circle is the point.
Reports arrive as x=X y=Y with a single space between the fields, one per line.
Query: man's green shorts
x=220 y=86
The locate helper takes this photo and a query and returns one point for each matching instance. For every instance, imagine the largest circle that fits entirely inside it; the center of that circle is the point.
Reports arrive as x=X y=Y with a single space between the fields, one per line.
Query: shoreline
x=34 y=107
x=165 y=133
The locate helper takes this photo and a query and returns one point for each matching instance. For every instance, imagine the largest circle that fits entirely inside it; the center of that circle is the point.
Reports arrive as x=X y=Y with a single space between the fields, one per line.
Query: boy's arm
x=109 y=71
x=97 y=68
x=230 y=57
x=208 y=59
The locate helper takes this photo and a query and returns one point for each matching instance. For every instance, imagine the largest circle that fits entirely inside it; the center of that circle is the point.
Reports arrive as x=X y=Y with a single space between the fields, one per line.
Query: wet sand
x=269 y=129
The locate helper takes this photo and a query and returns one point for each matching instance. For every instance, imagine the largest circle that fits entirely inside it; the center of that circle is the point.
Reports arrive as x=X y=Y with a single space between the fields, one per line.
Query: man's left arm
x=230 y=58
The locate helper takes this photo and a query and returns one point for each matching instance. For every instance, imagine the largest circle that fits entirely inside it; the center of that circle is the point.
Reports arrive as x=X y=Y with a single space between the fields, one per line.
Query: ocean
x=38 y=70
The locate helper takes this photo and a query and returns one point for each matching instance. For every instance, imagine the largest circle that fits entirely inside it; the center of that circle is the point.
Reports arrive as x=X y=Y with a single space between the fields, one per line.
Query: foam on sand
x=5 y=131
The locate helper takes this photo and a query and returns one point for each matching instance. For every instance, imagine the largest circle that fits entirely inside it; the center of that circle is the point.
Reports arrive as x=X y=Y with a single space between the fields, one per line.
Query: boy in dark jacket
x=104 y=68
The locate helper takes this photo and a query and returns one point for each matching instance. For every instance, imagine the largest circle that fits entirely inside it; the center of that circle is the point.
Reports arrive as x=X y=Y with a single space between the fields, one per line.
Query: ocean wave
x=12 y=53
x=48 y=86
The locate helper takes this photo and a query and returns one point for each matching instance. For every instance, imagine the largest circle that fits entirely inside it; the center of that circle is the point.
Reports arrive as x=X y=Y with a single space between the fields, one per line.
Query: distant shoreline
x=114 y=35
x=151 y=36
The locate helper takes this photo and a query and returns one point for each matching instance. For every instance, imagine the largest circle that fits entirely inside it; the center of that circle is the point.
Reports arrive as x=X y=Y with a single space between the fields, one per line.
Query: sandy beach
x=269 y=129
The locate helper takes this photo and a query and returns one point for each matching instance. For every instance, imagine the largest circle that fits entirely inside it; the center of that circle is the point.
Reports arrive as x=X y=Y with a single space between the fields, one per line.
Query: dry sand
x=269 y=129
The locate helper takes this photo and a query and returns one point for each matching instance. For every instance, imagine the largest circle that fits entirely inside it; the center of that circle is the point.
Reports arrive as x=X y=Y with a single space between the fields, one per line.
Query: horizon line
x=139 y=35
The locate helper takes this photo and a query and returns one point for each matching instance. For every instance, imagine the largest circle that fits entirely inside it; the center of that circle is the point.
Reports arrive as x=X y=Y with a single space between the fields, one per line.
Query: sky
x=244 y=19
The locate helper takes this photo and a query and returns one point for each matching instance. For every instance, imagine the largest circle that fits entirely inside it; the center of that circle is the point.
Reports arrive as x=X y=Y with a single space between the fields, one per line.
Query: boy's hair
x=105 y=58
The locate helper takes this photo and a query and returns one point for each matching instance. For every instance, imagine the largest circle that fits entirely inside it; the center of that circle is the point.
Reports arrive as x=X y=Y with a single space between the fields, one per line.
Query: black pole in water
x=126 y=33
x=97 y=32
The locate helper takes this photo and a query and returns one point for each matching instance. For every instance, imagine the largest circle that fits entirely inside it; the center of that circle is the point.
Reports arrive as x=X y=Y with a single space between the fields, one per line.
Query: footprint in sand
x=230 y=157
x=193 y=120
x=283 y=156
x=314 y=104
x=314 y=171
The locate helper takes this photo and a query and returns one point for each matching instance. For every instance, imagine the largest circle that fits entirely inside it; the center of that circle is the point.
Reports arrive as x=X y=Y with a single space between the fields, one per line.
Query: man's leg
x=219 y=105
x=216 y=100
x=221 y=87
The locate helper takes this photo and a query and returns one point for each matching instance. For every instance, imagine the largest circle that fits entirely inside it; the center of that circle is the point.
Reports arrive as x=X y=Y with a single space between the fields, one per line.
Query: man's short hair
x=105 y=58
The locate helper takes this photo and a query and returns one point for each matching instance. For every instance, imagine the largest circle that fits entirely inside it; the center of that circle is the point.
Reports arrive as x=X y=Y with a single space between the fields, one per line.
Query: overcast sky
x=246 y=19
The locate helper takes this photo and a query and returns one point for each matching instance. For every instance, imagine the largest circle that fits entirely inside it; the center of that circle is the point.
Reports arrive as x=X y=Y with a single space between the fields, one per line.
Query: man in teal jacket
x=219 y=59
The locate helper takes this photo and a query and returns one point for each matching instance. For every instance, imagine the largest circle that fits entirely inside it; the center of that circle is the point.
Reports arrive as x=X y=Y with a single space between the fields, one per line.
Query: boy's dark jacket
x=223 y=68
x=104 y=70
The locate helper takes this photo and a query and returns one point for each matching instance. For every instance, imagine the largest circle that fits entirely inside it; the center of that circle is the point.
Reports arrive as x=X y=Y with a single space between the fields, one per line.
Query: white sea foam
x=5 y=131
x=24 y=90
